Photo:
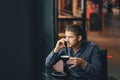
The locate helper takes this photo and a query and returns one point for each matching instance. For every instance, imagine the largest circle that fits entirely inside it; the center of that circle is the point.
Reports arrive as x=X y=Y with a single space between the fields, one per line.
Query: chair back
x=104 y=66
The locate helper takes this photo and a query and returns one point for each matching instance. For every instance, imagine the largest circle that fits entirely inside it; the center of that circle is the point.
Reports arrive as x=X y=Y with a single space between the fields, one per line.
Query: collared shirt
x=90 y=52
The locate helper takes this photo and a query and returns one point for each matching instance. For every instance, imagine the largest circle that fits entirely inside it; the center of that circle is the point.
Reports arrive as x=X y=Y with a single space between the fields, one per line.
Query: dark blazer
x=89 y=52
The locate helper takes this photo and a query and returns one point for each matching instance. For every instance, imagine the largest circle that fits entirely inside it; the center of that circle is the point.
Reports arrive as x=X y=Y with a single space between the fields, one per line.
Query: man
x=84 y=62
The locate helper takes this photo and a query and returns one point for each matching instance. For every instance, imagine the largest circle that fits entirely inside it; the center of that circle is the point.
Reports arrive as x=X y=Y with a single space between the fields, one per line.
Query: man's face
x=71 y=39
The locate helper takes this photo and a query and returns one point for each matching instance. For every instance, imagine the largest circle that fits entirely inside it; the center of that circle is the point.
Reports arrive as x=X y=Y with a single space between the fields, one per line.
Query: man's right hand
x=59 y=45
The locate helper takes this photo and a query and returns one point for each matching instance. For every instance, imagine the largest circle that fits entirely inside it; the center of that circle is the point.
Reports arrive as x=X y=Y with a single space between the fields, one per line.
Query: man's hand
x=59 y=45
x=77 y=62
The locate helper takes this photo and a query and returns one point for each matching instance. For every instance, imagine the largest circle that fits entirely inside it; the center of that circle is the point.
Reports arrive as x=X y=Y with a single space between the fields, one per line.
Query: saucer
x=60 y=74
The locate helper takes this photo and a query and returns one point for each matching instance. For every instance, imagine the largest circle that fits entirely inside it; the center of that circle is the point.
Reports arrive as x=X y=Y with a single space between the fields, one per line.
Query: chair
x=103 y=58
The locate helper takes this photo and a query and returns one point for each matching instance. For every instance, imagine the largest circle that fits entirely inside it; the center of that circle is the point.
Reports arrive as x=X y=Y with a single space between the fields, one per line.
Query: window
x=70 y=12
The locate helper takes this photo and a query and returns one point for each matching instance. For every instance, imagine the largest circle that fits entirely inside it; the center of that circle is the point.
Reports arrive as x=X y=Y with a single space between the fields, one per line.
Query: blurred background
x=29 y=30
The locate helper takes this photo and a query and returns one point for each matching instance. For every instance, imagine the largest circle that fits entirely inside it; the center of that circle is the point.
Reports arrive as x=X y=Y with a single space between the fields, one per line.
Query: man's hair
x=75 y=29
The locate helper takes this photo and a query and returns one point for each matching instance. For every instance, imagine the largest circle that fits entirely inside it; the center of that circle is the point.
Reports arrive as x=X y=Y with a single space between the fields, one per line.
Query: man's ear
x=79 y=38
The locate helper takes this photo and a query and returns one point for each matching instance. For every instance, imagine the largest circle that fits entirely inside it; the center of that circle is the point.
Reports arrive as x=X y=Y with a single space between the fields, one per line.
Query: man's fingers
x=72 y=60
x=72 y=66
x=72 y=57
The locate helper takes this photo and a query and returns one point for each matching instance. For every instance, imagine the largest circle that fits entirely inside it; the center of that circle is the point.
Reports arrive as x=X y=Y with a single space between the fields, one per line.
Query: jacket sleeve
x=94 y=68
x=52 y=58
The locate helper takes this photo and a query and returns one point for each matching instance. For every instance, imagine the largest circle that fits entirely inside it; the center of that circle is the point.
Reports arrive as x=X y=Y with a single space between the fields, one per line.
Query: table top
x=50 y=74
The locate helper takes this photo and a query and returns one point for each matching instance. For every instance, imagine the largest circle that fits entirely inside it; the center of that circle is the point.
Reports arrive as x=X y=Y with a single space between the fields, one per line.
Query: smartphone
x=65 y=43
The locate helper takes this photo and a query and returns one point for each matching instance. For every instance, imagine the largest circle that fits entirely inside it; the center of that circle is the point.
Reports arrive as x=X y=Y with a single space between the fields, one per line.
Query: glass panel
x=70 y=8
x=69 y=12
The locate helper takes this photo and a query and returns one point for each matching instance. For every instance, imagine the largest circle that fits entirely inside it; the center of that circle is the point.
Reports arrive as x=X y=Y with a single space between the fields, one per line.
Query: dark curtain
x=23 y=47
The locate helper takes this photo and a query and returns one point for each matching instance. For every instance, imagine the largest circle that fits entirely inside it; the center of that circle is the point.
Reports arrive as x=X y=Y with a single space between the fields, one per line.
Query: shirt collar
x=83 y=45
